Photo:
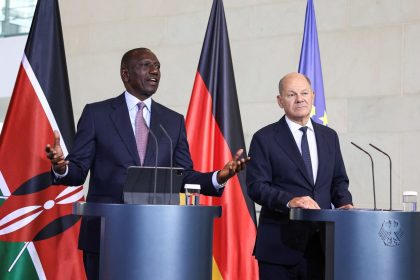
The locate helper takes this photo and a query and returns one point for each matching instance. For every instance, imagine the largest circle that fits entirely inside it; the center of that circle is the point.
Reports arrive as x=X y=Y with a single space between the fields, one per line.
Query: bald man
x=296 y=163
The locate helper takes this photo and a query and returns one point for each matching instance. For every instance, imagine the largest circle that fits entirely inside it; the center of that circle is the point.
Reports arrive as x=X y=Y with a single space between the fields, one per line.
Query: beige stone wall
x=370 y=53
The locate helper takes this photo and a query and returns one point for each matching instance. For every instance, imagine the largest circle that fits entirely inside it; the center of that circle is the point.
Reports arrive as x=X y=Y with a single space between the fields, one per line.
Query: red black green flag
x=215 y=133
x=38 y=232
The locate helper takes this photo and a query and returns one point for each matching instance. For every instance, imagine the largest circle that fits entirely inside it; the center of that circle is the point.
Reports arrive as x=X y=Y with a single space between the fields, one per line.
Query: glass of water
x=410 y=201
x=192 y=194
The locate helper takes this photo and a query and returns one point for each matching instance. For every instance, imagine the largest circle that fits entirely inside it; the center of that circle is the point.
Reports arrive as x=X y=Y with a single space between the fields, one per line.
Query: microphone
x=156 y=163
x=172 y=162
x=373 y=174
x=390 y=174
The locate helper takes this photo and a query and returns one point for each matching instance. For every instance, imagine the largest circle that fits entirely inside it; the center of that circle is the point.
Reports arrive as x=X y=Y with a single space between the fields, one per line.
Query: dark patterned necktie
x=142 y=132
x=306 y=155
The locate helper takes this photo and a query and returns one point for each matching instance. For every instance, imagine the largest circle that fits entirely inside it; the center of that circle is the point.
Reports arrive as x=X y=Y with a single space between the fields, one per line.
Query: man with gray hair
x=295 y=163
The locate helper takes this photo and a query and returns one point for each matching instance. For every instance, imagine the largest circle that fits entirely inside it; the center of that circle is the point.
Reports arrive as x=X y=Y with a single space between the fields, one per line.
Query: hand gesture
x=55 y=155
x=233 y=167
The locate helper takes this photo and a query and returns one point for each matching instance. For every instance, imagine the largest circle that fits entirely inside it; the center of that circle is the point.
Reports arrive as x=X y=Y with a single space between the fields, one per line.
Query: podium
x=153 y=241
x=367 y=244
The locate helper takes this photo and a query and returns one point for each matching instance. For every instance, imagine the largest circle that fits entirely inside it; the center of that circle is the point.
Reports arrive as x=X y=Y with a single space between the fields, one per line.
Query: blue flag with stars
x=310 y=64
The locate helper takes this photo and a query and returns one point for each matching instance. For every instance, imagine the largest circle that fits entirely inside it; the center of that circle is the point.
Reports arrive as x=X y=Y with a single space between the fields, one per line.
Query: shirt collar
x=132 y=101
x=294 y=126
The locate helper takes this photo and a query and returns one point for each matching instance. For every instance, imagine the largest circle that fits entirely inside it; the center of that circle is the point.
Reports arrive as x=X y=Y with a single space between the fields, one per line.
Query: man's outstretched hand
x=55 y=155
x=232 y=167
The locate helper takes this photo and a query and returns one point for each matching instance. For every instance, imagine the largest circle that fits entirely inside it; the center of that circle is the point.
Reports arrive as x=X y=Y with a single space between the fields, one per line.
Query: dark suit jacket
x=105 y=145
x=277 y=173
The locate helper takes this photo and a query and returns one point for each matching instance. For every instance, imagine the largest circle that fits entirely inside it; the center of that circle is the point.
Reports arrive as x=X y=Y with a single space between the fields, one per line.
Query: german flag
x=215 y=133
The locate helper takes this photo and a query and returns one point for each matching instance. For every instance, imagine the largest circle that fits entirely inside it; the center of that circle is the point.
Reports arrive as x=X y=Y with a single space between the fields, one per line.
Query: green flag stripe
x=23 y=269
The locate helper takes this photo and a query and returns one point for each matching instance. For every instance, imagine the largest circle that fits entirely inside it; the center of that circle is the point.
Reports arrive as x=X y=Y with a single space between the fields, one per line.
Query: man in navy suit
x=295 y=163
x=106 y=144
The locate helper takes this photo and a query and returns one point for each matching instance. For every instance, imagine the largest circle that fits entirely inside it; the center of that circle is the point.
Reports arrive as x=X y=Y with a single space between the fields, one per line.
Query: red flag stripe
x=200 y=115
x=24 y=108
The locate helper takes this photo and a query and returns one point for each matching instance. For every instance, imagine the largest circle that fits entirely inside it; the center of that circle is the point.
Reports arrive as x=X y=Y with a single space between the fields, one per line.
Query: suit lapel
x=288 y=144
x=121 y=120
x=322 y=151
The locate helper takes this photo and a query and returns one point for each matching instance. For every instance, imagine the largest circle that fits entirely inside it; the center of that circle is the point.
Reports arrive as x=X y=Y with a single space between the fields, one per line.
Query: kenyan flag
x=38 y=232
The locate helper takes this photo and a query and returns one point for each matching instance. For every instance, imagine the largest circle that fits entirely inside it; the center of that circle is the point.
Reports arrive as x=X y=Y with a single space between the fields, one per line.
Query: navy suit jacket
x=277 y=173
x=105 y=145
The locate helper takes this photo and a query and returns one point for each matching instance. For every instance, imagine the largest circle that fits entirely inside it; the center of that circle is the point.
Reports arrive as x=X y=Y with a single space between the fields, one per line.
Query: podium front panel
x=154 y=241
x=363 y=244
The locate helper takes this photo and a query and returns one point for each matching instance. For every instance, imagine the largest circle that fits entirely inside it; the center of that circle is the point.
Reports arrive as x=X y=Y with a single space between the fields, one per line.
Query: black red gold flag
x=214 y=130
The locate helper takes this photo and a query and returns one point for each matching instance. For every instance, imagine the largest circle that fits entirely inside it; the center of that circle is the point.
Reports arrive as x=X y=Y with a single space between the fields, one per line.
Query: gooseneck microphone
x=373 y=174
x=172 y=162
x=156 y=163
x=390 y=174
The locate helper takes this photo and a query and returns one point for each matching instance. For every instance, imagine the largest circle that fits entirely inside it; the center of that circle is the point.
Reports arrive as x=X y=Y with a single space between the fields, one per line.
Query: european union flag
x=310 y=64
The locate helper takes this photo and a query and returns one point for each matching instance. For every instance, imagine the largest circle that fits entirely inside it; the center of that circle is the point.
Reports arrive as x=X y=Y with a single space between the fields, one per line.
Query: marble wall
x=369 y=51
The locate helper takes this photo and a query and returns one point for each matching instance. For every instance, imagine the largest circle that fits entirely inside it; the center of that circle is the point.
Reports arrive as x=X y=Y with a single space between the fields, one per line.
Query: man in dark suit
x=295 y=163
x=114 y=134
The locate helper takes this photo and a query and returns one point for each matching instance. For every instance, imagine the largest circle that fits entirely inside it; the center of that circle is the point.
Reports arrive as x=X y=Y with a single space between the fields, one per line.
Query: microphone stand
x=390 y=174
x=156 y=162
x=373 y=174
x=172 y=163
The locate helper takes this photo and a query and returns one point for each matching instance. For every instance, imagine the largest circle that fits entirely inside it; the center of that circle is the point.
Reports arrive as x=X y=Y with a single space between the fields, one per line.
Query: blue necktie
x=306 y=155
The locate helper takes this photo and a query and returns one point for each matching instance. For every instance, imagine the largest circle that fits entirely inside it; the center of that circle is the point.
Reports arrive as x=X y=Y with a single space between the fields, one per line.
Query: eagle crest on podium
x=391 y=232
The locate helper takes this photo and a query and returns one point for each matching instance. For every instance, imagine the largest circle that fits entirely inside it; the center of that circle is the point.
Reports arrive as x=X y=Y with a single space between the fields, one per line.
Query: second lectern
x=154 y=241
x=367 y=245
